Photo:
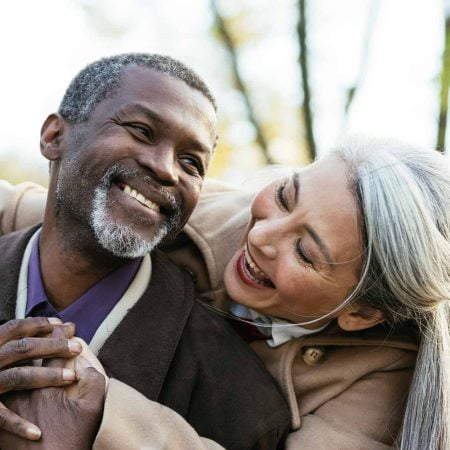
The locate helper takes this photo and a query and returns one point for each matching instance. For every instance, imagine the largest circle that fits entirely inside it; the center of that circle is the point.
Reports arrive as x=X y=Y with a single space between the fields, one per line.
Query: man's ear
x=52 y=133
x=359 y=317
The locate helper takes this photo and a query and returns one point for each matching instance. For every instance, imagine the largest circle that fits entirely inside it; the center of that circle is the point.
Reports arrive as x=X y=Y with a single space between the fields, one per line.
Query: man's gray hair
x=101 y=79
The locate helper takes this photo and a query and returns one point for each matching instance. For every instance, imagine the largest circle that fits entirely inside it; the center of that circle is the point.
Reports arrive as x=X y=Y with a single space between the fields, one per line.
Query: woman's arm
x=132 y=421
x=21 y=205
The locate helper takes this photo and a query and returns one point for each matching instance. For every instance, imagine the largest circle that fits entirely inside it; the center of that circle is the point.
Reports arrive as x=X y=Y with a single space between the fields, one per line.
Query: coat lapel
x=12 y=248
x=142 y=347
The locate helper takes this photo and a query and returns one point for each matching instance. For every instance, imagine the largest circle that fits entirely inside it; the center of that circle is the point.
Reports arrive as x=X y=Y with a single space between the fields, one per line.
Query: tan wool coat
x=346 y=390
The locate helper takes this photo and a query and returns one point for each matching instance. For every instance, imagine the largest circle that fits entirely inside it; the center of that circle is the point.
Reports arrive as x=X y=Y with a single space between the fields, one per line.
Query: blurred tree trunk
x=372 y=16
x=304 y=68
x=238 y=81
x=445 y=81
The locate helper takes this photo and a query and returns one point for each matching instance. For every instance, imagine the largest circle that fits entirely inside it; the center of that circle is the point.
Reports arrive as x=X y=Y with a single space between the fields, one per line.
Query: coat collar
x=142 y=347
x=12 y=248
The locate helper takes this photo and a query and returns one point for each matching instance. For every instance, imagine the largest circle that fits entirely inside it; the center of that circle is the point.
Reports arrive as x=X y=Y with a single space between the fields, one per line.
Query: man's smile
x=142 y=193
x=139 y=197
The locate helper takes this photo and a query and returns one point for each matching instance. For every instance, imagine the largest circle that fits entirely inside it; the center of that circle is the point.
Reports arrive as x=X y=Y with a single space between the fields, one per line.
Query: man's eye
x=193 y=164
x=143 y=130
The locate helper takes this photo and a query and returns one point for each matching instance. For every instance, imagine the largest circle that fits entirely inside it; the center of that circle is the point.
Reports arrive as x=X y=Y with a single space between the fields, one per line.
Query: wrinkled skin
x=21 y=341
x=68 y=417
x=65 y=423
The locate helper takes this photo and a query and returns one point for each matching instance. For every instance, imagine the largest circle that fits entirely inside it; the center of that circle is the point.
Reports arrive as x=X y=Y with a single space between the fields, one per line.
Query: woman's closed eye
x=280 y=196
x=300 y=251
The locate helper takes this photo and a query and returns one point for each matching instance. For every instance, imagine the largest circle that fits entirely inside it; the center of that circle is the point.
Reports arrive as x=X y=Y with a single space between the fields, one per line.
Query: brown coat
x=162 y=348
x=345 y=390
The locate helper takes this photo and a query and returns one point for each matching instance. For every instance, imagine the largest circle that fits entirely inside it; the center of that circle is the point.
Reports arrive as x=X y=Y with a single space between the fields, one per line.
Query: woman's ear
x=52 y=133
x=359 y=317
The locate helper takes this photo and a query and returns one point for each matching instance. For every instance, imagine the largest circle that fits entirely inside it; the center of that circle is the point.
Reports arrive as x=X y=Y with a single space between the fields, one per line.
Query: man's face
x=134 y=170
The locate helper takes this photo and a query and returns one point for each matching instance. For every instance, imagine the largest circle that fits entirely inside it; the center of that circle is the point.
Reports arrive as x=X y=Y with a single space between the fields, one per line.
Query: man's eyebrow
x=198 y=146
x=316 y=238
x=137 y=107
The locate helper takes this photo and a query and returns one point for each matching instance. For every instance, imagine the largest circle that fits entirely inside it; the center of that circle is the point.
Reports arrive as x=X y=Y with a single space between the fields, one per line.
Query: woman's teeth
x=255 y=272
x=139 y=197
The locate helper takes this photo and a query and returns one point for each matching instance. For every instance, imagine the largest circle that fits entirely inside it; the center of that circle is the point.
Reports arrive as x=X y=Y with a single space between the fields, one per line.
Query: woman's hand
x=73 y=363
x=22 y=341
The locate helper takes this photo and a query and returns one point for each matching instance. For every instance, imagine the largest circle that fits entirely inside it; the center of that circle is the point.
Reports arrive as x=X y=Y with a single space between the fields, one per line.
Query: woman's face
x=301 y=255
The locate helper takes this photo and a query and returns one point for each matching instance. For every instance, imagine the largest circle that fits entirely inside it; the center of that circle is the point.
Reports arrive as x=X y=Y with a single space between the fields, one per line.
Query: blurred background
x=292 y=77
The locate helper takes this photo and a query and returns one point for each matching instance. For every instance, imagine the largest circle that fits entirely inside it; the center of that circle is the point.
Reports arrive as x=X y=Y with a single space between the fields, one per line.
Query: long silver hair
x=404 y=197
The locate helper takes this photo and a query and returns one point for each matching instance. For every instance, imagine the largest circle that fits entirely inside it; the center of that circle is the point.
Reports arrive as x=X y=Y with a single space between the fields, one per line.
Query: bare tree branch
x=303 y=61
x=238 y=81
x=445 y=81
x=371 y=20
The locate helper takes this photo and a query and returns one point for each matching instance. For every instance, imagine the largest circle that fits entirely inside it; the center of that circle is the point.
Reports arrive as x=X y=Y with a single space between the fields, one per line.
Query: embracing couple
x=311 y=314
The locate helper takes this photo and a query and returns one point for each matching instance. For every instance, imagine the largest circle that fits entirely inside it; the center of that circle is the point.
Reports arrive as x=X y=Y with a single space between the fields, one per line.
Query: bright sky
x=46 y=42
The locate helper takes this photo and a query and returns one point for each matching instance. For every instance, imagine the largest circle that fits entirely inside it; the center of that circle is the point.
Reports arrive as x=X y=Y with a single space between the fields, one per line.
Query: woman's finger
x=68 y=327
x=20 y=378
x=14 y=424
x=61 y=332
x=91 y=385
x=31 y=326
x=34 y=348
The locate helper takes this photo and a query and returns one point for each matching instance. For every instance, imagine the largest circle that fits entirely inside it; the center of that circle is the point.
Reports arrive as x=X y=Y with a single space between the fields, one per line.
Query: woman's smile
x=250 y=273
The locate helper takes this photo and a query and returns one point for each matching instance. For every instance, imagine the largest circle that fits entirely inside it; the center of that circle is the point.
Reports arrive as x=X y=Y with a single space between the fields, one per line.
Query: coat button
x=313 y=355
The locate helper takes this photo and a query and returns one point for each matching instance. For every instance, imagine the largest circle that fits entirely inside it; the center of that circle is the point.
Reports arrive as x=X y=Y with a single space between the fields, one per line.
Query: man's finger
x=20 y=378
x=14 y=424
x=34 y=348
x=31 y=326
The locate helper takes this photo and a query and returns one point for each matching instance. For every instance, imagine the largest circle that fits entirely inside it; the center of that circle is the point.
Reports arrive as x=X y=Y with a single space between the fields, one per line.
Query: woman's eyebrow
x=315 y=237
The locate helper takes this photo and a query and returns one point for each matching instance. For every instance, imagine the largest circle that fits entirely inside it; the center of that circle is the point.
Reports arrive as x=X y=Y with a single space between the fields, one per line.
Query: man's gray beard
x=118 y=239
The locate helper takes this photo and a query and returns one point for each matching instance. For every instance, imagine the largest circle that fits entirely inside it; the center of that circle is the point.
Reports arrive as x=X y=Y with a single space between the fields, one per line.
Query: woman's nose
x=263 y=237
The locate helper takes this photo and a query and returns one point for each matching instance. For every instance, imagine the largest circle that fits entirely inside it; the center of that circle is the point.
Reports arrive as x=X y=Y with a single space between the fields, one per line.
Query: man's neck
x=69 y=267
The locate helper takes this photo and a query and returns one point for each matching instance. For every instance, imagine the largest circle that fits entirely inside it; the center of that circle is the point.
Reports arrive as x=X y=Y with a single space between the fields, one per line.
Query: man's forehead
x=145 y=86
x=145 y=82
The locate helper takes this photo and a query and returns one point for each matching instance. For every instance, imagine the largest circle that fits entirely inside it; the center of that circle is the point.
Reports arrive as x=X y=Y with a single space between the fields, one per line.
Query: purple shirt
x=89 y=310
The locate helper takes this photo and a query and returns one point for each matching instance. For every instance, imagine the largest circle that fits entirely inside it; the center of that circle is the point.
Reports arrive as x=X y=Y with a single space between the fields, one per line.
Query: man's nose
x=264 y=236
x=161 y=161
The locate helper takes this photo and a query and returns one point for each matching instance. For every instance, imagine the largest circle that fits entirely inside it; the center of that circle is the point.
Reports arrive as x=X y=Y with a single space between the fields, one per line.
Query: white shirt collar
x=277 y=330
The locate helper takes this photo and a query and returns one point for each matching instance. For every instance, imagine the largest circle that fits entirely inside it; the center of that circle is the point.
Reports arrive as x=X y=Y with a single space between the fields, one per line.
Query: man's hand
x=66 y=423
x=21 y=341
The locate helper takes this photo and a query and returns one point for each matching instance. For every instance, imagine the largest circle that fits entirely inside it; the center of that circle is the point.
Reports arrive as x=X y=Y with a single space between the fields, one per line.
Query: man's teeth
x=140 y=198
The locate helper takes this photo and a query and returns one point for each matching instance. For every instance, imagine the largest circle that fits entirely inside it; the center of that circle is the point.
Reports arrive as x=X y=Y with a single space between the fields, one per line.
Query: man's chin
x=124 y=242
